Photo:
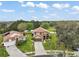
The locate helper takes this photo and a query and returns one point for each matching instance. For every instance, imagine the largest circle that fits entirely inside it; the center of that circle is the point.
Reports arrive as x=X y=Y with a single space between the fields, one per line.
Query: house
x=40 y=34
x=11 y=37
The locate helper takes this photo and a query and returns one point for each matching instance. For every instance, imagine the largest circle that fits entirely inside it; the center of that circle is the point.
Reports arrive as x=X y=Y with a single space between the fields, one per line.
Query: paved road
x=13 y=51
x=39 y=49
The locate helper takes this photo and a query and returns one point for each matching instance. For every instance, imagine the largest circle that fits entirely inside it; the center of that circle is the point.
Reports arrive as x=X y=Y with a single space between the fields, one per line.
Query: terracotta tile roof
x=12 y=35
x=40 y=29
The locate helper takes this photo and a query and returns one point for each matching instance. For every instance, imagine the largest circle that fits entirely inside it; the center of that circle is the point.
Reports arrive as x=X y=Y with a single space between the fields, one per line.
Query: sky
x=39 y=10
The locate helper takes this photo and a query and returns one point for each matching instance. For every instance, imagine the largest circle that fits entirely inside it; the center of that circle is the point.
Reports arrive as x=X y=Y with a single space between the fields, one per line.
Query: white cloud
x=7 y=10
x=21 y=1
x=75 y=8
x=0 y=4
x=42 y=5
x=60 y=6
x=30 y=4
x=23 y=5
x=34 y=18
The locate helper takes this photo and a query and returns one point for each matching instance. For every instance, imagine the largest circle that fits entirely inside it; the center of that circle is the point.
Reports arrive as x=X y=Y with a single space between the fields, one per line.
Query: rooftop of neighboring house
x=39 y=29
x=11 y=35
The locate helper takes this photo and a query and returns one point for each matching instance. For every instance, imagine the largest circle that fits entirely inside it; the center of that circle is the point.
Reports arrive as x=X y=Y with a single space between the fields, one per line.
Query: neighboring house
x=40 y=34
x=11 y=37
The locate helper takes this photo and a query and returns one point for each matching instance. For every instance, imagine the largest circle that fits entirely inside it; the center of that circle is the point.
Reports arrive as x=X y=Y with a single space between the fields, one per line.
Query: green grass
x=46 y=44
x=51 y=43
x=51 y=29
x=3 y=52
x=1 y=39
x=27 y=46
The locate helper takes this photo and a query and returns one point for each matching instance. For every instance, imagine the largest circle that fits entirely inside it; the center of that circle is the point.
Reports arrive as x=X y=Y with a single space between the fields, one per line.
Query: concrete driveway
x=13 y=51
x=39 y=49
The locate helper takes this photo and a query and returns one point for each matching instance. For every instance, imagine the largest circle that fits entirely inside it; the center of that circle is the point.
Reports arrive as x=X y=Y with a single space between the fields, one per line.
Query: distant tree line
x=21 y=25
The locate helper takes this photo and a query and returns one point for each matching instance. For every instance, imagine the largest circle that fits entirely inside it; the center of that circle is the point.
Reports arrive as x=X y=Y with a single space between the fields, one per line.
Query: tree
x=36 y=24
x=29 y=26
x=3 y=28
x=45 y=25
x=67 y=33
x=14 y=25
x=53 y=41
x=52 y=23
x=22 y=26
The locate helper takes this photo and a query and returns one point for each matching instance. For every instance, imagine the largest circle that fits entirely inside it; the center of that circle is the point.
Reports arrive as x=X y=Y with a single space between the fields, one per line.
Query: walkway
x=13 y=51
x=39 y=49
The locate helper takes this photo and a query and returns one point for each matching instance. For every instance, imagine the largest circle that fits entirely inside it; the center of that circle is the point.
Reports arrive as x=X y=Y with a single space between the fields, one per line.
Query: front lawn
x=27 y=45
x=3 y=52
x=51 y=43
